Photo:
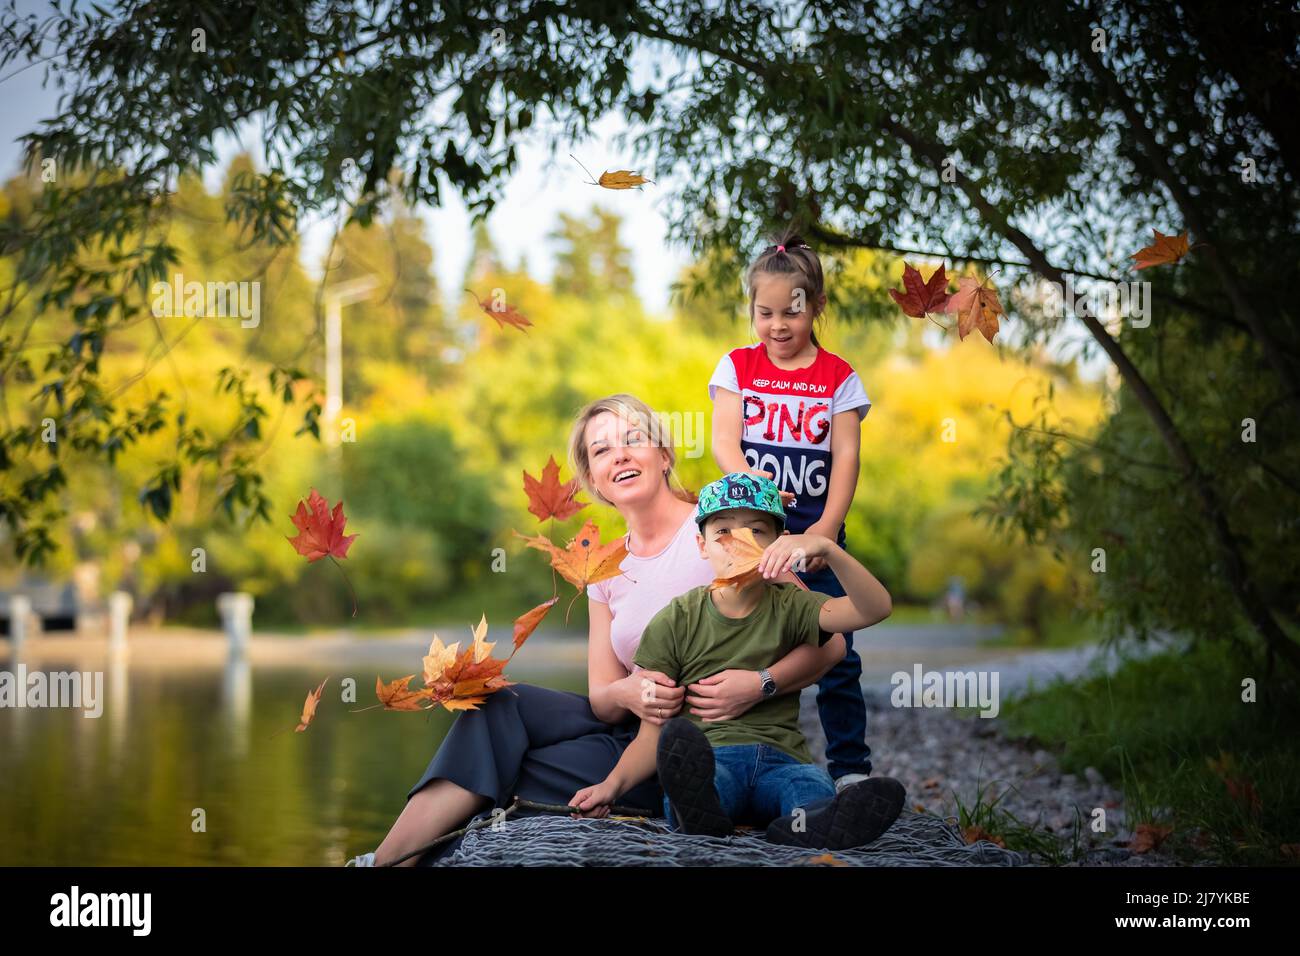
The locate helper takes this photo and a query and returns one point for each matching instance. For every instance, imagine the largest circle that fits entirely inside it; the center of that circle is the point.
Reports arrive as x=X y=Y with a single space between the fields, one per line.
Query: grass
x=1173 y=732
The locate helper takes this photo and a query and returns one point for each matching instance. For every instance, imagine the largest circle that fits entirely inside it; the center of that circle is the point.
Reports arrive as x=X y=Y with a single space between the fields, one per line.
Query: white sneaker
x=365 y=859
x=848 y=780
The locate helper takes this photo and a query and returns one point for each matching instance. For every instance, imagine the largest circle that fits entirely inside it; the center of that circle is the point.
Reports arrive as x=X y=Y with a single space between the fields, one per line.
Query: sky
x=528 y=210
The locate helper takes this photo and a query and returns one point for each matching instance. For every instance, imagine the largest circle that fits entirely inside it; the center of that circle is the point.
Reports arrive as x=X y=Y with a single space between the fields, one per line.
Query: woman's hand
x=782 y=554
x=594 y=801
x=652 y=696
x=725 y=695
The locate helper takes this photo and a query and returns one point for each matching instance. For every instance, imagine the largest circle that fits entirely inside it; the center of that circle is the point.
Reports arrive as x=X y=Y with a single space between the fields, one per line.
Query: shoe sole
x=685 y=763
x=856 y=816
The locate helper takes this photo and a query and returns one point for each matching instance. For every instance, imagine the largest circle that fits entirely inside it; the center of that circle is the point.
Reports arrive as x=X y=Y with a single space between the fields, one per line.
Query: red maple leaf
x=320 y=533
x=549 y=498
x=922 y=297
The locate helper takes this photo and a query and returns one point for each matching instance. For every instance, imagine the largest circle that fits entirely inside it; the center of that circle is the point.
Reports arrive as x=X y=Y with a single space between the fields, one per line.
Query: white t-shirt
x=646 y=586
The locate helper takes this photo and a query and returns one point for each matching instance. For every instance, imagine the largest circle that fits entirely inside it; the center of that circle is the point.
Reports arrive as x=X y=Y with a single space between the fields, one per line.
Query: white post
x=236 y=610
x=336 y=297
x=20 y=609
x=119 y=619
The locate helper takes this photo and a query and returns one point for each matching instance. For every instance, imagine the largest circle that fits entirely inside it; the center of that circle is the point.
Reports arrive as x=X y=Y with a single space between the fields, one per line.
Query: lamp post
x=337 y=296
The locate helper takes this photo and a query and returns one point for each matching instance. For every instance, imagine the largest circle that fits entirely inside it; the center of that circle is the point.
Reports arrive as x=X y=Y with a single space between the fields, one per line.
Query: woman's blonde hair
x=639 y=414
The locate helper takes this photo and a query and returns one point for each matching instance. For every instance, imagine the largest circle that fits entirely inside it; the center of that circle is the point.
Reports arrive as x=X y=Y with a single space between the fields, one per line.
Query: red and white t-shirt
x=786 y=416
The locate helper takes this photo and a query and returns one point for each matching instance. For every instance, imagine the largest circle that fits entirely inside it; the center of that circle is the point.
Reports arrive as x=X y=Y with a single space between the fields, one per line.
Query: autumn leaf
x=745 y=553
x=505 y=315
x=1165 y=250
x=618 y=179
x=320 y=534
x=974 y=834
x=977 y=307
x=921 y=298
x=309 y=707
x=1148 y=836
x=549 y=498
x=527 y=622
x=1243 y=792
x=399 y=696
x=585 y=560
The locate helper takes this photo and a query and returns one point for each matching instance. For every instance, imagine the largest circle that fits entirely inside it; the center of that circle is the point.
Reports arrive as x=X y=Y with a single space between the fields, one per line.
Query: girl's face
x=783 y=316
x=625 y=466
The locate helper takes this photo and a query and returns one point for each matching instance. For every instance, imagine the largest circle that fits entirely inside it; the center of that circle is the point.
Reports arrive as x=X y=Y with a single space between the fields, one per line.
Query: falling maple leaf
x=977 y=307
x=585 y=560
x=506 y=315
x=1148 y=836
x=399 y=696
x=309 y=707
x=456 y=679
x=745 y=553
x=320 y=535
x=550 y=499
x=618 y=179
x=922 y=298
x=1165 y=250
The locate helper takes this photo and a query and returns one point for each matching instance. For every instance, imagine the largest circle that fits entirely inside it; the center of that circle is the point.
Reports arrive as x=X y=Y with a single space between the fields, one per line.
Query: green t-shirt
x=691 y=639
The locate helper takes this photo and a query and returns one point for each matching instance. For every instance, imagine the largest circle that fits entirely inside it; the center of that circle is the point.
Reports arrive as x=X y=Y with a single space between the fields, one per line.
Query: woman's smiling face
x=625 y=465
x=783 y=318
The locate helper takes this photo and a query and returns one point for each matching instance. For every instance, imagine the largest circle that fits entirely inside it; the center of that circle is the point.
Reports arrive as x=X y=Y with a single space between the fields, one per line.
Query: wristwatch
x=769 y=683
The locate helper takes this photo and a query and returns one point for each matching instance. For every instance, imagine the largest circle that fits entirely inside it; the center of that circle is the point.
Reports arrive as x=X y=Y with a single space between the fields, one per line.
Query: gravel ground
x=936 y=754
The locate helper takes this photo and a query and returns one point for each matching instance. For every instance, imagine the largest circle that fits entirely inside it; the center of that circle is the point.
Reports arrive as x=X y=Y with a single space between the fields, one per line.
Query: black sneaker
x=854 y=817
x=685 y=763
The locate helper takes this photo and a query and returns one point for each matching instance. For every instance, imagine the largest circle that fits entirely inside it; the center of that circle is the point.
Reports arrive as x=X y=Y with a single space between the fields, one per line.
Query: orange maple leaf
x=1148 y=836
x=550 y=499
x=618 y=179
x=505 y=315
x=1165 y=250
x=320 y=534
x=745 y=553
x=977 y=307
x=585 y=560
x=399 y=696
x=309 y=707
x=527 y=622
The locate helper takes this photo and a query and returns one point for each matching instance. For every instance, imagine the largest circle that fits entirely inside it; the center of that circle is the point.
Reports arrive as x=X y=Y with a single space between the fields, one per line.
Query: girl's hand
x=782 y=554
x=813 y=565
x=594 y=801
x=654 y=697
x=724 y=695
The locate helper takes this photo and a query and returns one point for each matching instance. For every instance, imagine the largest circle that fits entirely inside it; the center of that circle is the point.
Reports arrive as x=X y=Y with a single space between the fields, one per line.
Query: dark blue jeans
x=757 y=783
x=840 y=703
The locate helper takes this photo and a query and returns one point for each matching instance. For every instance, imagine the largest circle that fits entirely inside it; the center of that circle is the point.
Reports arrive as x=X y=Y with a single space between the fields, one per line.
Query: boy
x=753 y=768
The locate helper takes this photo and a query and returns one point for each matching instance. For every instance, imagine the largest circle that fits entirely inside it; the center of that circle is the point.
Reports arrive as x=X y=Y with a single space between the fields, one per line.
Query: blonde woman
x=546 y=745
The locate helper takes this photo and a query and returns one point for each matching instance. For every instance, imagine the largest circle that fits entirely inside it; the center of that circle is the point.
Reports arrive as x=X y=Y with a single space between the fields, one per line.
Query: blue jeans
x=757 y=783
x=840 y=703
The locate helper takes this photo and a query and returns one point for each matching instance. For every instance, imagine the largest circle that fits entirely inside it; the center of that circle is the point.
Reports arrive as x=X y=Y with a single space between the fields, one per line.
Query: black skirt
x=536 y=743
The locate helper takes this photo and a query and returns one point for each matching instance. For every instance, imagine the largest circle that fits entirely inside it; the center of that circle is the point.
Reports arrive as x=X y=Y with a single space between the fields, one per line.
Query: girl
x=789 y=409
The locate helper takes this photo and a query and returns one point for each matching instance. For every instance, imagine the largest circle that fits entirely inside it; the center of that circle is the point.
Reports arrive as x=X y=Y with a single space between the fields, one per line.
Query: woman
x=545 y=745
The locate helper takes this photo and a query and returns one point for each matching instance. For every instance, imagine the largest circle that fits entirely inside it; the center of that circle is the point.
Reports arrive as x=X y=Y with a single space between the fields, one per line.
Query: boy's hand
x=783 y=553
x=724 y=695
x=594 y=801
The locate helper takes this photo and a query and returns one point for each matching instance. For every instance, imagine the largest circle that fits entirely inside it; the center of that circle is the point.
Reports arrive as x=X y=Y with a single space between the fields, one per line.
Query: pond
x=127 y=788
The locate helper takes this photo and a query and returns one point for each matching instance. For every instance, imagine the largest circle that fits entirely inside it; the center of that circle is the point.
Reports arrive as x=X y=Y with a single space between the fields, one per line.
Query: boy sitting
x=754 y=768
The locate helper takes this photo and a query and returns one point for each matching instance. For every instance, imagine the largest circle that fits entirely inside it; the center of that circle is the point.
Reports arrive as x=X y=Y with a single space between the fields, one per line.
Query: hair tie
x=780 y=248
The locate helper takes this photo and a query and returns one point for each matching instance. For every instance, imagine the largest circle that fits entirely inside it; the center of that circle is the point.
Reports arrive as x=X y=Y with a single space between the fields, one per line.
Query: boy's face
x=717 y=527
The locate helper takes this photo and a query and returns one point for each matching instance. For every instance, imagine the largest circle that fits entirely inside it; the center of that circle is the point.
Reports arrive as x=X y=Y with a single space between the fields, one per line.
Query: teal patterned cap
x=741 y=490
